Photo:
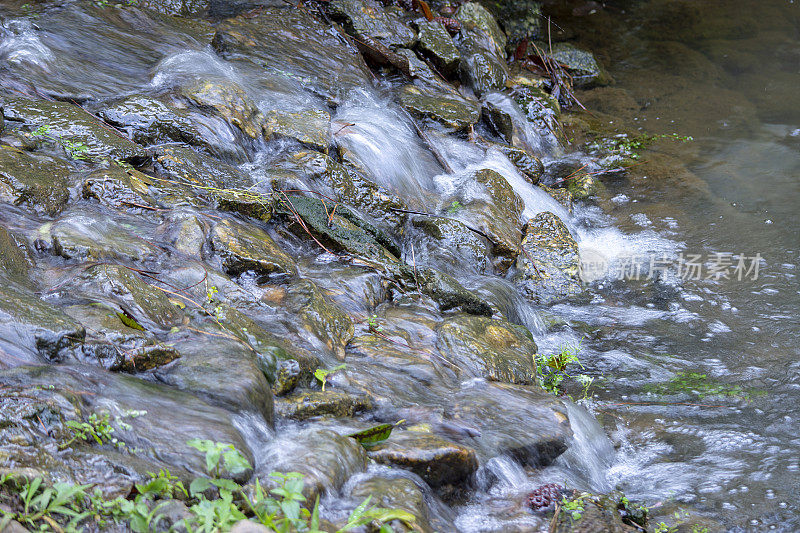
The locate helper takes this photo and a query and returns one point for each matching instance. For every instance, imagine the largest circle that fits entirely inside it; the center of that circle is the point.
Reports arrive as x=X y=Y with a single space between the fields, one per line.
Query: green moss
x=701 y=386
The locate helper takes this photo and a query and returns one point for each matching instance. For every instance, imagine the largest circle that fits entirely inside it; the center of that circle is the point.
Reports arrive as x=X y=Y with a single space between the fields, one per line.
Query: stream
x=693 y=402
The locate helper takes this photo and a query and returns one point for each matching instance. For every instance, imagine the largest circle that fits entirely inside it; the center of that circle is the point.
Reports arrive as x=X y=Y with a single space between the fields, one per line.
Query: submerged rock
x=183 y=164
x=326 y=459
x=548 y=266
x=81 y=134
x=445 y=290
x=321 y=317
x=395 y=493
x=497 y=418
x=119 y=188
x=223 y=371
x=288 y=42
x=434 y=459
x=311 y=128
x=247 y=247
x=455 y=236
x=159 y=436
x=229 y=100
x=494 y=349
x=37 y=181
x=95 y=236
x=34 y=329
x=14 y=259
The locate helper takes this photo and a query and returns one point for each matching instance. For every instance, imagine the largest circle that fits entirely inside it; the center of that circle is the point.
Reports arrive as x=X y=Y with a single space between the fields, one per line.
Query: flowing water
x=696 y=389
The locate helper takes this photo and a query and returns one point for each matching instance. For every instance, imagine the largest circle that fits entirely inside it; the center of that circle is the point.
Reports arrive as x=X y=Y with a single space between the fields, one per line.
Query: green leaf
x=235 y=462
x=129 y=321
x=374 y=435
x=322 y=374
x=199 y=485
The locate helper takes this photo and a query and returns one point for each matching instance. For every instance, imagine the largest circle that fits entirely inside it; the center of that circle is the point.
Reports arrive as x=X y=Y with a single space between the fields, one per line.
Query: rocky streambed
x=273 y=226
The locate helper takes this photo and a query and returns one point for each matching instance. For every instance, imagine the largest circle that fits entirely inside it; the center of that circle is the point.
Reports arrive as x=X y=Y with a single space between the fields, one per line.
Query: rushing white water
x=19 y=43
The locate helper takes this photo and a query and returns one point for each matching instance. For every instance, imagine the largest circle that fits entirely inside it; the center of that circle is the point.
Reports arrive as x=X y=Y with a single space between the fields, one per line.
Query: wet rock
x=352 y=188
x=119 y=188
x=115 y=345
x=75 y=128
x=454 y=235
x=303 y=48
x=37 y=181
x=248 y=526
x=582 y=65
x=435 y=42
x=326 y=459
x=582 y=186
x=475 y=17
x=494 y=349
x=521 y=19
x=562 y=196
x=186 y=232
x=247 y=247
x=321 y=317
x=482 y=69
x=287 y=377
x=122 y=288
x=445 y=290
x=497 y=214
x=497 y=418
x=95 y=237
x=395 y=493
x=599 y=513
x=311 y=128
x=529 y=165
x=159 y=436
x=179 y=8
x=151 y=121
x=341 y=230
x=367 y=19
x=302 y=405
x=186 y=165
x=548 y=267
x=223 y=372
x=33 y=328
x=448 y=109
x=229 y=100
x=14 y=261
x=434 y=459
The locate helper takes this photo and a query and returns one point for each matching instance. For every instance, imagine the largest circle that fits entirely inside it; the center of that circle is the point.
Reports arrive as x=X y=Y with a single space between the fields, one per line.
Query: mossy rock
x=311 y=128
x=15 y=260
x=247 y=247
x=436 y=43
x=493 y=349
x=367 y=19
x=302 y=405
x=229 y=100
x=548 y=267
x=121 y=188
x=485 y=71
x=397 y=493
x=454 y=235
x=182 y=164
x=38 y=181
x=448 y=109
x=74 y=127
x=474 y=17
x=324 y=319
x=436 y=460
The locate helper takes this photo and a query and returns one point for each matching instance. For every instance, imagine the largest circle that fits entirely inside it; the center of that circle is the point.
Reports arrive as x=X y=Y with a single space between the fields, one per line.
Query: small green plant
x=322 y=374
x=220 y=457
x=372 y=324
x=95 y=428
x=629 y=146
x=455 y=207
x=573 y=507
x=77 y=150
x=553 y=369
x=662 y=527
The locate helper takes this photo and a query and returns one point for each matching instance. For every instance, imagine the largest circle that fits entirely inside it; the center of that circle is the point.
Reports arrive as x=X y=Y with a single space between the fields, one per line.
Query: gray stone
x=37 y=181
